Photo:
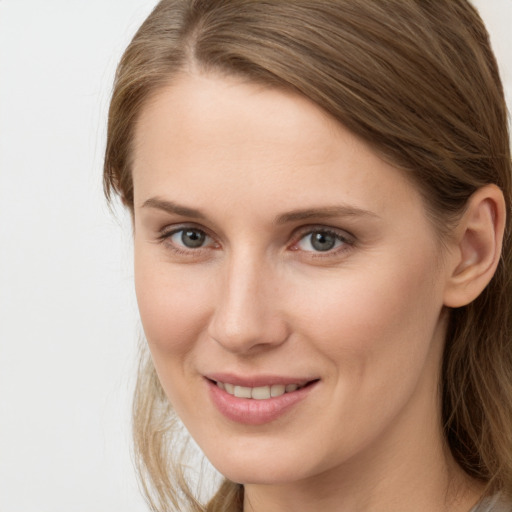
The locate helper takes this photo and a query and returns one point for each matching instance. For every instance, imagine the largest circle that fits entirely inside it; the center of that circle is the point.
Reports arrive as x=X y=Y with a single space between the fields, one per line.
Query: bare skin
x=270 y=242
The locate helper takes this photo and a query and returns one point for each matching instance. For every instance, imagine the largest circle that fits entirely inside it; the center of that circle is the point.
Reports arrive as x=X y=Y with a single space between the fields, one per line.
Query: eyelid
x=170 y=229
x=312 y=228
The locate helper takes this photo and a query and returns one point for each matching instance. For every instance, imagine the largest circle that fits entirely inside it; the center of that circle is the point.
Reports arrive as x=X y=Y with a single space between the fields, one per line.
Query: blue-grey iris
x=192 y=238
x=322 y=241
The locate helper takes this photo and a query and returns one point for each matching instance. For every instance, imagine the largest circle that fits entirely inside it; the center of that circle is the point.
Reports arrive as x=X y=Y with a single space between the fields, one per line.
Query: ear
x=476 y=246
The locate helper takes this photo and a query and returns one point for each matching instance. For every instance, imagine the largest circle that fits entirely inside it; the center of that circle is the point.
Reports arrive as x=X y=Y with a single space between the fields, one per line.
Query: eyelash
x=344 y=241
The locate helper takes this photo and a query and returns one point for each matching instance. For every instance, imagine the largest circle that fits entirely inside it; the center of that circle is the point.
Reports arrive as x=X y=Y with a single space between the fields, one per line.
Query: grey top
x=493 y=504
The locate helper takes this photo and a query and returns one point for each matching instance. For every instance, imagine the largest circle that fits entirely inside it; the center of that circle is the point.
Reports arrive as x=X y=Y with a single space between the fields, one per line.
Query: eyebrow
x=172 y=207
x=285 y=218
x=324 y=213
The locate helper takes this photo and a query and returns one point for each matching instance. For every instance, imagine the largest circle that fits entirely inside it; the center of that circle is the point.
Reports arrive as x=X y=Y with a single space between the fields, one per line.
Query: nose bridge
x=246 y=315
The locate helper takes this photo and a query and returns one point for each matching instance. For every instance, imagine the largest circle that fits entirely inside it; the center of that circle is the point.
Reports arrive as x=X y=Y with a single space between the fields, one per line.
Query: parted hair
x=417 y=80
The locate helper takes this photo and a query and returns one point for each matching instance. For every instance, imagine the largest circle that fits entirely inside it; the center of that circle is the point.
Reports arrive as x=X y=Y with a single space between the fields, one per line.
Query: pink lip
x=249 y=411
x=256 y=380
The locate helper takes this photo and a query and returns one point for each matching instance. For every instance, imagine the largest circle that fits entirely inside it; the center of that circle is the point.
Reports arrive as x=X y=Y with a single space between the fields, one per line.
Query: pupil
x=323 y=241
x=192 y=239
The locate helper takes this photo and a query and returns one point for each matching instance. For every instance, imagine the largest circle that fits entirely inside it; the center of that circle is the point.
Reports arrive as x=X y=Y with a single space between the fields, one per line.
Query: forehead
x=205 y=137
x=226 y=112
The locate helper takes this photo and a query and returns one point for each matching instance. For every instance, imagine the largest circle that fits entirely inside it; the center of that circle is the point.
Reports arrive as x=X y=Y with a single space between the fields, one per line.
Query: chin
x=260 y=476
x=245 y=467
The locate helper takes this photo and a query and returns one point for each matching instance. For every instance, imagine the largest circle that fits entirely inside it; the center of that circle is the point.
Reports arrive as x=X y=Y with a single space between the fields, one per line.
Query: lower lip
x=250 y=411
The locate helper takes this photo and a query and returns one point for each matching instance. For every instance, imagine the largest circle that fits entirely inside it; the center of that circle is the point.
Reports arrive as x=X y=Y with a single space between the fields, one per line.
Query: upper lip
x=254 y=381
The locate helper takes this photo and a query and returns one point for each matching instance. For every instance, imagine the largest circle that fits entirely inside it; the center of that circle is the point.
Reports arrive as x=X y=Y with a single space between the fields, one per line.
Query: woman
x=319 y=193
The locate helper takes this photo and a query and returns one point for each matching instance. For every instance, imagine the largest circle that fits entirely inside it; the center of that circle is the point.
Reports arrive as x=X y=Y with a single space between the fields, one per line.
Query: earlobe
x=478 y=241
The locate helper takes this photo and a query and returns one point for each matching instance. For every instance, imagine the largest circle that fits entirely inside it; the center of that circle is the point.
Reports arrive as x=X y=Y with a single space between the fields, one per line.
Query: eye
x=190 y=238
x=187 y=238
x=321 y=240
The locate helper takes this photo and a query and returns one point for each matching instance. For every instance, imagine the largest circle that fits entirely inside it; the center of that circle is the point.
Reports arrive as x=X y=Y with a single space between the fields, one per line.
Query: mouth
x=265 y=401
x=260 y=392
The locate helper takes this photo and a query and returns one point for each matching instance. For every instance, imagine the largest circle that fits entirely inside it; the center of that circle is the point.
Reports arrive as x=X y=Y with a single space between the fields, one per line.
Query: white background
x=68 y=320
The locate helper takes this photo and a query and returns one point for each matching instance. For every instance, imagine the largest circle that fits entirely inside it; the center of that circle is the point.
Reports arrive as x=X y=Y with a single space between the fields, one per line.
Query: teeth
x=242 y=392
x=277 y=390
x=261 y=393
x=258 y=393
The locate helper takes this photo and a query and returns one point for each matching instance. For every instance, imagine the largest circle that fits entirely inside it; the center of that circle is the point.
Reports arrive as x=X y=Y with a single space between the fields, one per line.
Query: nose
x=248 y=316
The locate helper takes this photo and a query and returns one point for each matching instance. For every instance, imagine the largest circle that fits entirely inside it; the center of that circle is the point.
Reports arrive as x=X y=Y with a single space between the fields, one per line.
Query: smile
x=257 y=404
x=260 y=392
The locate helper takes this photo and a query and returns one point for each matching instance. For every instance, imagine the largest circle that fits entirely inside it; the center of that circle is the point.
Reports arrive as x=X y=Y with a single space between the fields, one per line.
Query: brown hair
x=418 y=81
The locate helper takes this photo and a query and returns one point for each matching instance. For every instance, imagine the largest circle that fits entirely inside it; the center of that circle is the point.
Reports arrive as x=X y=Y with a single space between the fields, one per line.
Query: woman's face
x=274 y=250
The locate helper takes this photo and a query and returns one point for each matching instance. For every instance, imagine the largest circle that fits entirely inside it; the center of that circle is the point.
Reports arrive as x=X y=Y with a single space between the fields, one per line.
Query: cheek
x=377 y=333
x=173 y=305
x=386 y=313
